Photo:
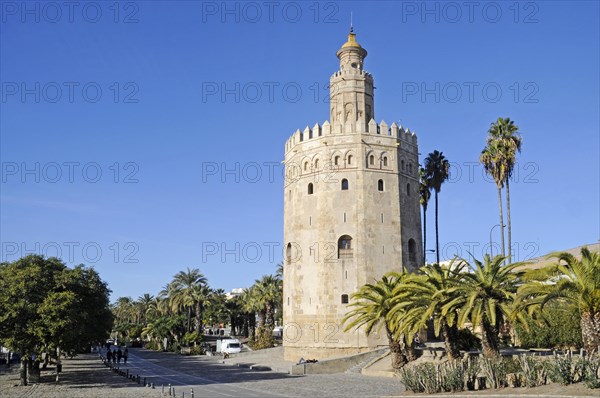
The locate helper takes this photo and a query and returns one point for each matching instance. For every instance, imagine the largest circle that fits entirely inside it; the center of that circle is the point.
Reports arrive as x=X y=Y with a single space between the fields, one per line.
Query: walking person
x=125 y=355
x=119 y=355
x=109 y=355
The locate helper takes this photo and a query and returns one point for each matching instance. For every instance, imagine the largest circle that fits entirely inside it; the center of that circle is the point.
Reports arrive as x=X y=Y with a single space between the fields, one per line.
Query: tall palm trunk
x=450 y=336
x=261 y=319
x=590 y=331
x=437 y=237
x=269 y=316
x=23 y=371
x=489 y=340
x=199 y=313
x=397 y=350
x=189 y=318
x=501 y=221
x=424 y=235
x=508 y=220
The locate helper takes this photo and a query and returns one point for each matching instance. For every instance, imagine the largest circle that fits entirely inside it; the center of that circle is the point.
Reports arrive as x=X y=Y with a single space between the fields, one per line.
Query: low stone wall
x=337 y=365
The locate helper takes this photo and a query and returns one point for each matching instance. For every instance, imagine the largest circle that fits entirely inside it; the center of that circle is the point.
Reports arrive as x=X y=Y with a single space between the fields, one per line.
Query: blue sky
x=147 y=138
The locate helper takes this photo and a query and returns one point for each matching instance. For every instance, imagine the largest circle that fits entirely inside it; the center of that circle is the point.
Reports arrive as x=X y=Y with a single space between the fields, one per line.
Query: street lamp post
x=497 y=225
x=430 y=251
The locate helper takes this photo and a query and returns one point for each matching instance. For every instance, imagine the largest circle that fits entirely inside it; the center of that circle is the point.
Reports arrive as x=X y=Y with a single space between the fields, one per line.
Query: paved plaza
x=86 y=377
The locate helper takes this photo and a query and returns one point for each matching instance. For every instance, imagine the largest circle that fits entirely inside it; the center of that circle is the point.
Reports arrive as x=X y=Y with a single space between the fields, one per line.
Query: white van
x=229 y=346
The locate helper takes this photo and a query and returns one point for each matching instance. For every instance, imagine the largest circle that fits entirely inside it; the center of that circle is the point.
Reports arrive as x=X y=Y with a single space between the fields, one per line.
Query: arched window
x=402 y=164
x=344 y=299
x=380 y=185
x=344 y=184
x=412 y=250
x=410 y=167
x=288 y=252
x=408 y=189
x=310 y=188
x=317 y=164
x=345 y=246
x=305 y=166
x=385 y=162
x=349 y=159
x=371 y=160
x=336 y=160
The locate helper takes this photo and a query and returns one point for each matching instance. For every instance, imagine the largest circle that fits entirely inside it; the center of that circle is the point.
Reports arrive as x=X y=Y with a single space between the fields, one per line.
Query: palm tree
x=485 y=297
x=491 y=158
x=124 y=310
x=187 y=292
x=371 y=307
x=143 y=303
x=200 y=294
x=425 y=295
x=505 y=133
x=279 y=271
x=424 y=196
x=436 y=172
x=573 y=281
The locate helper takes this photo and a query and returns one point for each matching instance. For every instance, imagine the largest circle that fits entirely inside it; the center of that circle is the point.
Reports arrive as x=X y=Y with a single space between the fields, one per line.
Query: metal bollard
x=170 y=389
x=192 y=392
x=144 y=382
x=183 y=394
x=162 y=389
x=174 y=391
x=127 y=373
x=138 y=379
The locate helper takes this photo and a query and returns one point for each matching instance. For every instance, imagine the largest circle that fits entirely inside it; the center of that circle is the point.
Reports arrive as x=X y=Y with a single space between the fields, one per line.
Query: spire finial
x=351 y=27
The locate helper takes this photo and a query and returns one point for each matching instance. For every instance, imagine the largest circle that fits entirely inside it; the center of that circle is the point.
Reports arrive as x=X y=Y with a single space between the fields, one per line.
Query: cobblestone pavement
x=208 y=377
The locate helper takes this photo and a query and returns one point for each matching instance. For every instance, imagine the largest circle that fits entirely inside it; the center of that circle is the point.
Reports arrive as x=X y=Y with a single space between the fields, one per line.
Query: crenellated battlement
x=353 y=73
x=373 y=129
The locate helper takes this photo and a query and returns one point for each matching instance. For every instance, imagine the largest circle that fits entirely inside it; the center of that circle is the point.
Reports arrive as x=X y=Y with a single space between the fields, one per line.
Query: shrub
x=192 y=338
x=590 y=366
x=466 y=340
x=152 y=345
x=431 y=378
x=411 y=380
x=560 y=328
x=197 y=350
x=452 y=377
x=534 y=373
x=472 y=368
x=565 y=369
x=263 y=339
x=496 y=369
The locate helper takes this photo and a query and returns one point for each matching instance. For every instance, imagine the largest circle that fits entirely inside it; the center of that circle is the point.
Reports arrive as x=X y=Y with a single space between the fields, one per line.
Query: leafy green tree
x=436 y=173
x=44 y=307
x=371 y=307
x=570 y=280
x=557 y=326
x=485 y=297
x=504 y=135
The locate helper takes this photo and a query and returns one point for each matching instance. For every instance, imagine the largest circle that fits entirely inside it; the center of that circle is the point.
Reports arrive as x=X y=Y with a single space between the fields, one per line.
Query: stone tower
x=351 y=213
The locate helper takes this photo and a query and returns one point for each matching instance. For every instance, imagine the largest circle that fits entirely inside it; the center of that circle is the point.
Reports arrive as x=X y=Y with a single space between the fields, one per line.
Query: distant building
x=351 y=213
x=542 y=261
x=234 y=293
